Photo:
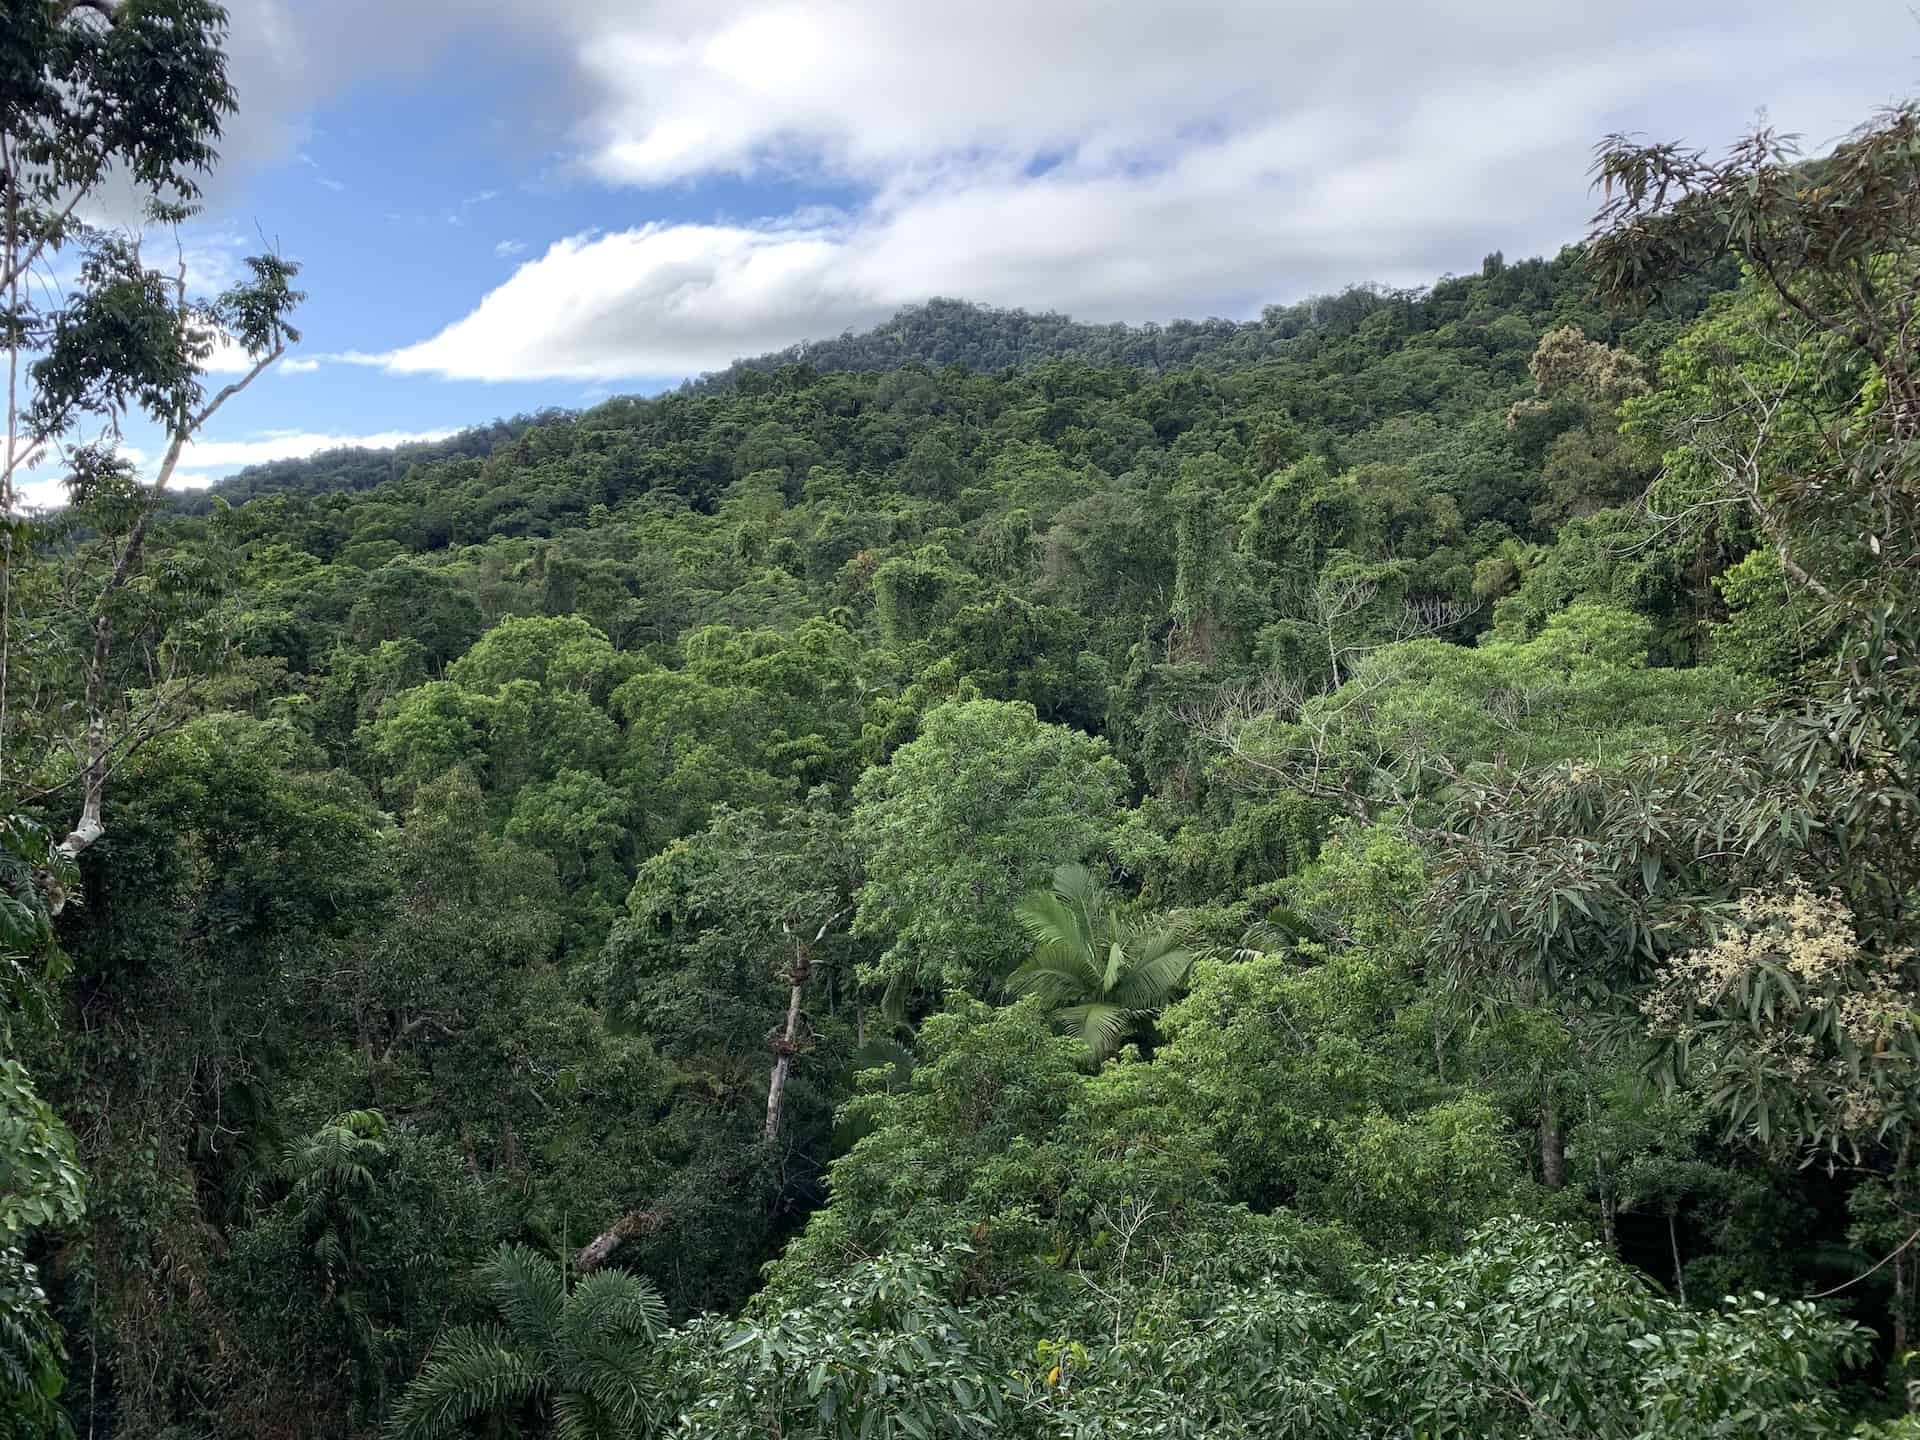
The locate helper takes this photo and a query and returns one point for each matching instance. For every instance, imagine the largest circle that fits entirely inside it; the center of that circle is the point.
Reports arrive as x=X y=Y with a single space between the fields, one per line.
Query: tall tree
x=1836 y=242
x=964 y=821
x=755 y=899
x=137 y=89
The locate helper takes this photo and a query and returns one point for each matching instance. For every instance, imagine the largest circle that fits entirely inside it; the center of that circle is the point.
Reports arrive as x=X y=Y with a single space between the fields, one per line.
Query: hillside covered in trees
x=1344 y=875
x=944 y=333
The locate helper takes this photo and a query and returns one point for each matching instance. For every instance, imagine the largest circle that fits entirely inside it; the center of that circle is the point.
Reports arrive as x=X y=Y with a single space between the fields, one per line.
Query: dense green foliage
x=1343 y=875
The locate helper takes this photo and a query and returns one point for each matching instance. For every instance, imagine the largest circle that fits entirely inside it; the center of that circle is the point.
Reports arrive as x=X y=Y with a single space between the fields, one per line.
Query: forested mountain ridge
x=346 y=468
x=1357 y=887
x=983 y=337
x=988 y=339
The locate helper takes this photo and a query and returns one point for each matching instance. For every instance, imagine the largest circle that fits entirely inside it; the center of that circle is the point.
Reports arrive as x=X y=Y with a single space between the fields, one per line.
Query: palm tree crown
x=578 y=1357
x=1103 y=976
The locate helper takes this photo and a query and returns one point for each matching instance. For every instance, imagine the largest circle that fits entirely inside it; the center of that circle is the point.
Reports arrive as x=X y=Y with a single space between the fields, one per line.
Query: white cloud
x=644 y=302
x=230 y=358
x=203 y=457
x=670 y=89
x=205 y=461
x=1119 y=160
x=507 y=249
x=1116 y=158
x=336 y=186
x=214 y=261
x=865 y=87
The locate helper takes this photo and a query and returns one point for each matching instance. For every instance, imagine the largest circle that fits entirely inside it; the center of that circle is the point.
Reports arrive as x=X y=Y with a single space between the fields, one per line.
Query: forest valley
x=1348 y=874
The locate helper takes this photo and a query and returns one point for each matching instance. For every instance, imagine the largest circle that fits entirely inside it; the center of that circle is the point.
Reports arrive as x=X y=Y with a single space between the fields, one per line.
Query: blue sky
x=507 y=204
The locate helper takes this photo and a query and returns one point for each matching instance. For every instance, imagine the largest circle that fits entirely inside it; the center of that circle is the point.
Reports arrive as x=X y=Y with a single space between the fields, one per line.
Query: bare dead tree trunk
x=597 y=1251
x=788 y=1040
x=784 y=1045
x=93 y=772
x=1673 y=1247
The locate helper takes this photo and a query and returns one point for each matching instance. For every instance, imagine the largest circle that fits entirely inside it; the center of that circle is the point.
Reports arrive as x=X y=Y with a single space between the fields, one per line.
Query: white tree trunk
x=784 y=1045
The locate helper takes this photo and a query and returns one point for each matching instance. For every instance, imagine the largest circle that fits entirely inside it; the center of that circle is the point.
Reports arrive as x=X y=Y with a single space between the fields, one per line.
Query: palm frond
x=1101 y=1025
x=1057 y=976
x=530 y=1292
x=610 y=1321
x=366 y=1124
x=1083 y=893
x=575 y=1418
x=617 y=1382
x=471 y=1372
x=1155 y=977
x=1050 y=920
x=333 y=1157
x=613 y=1304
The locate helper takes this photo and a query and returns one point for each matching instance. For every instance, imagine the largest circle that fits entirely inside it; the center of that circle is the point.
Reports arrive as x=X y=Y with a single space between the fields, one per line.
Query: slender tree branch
x=1897 y=1250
